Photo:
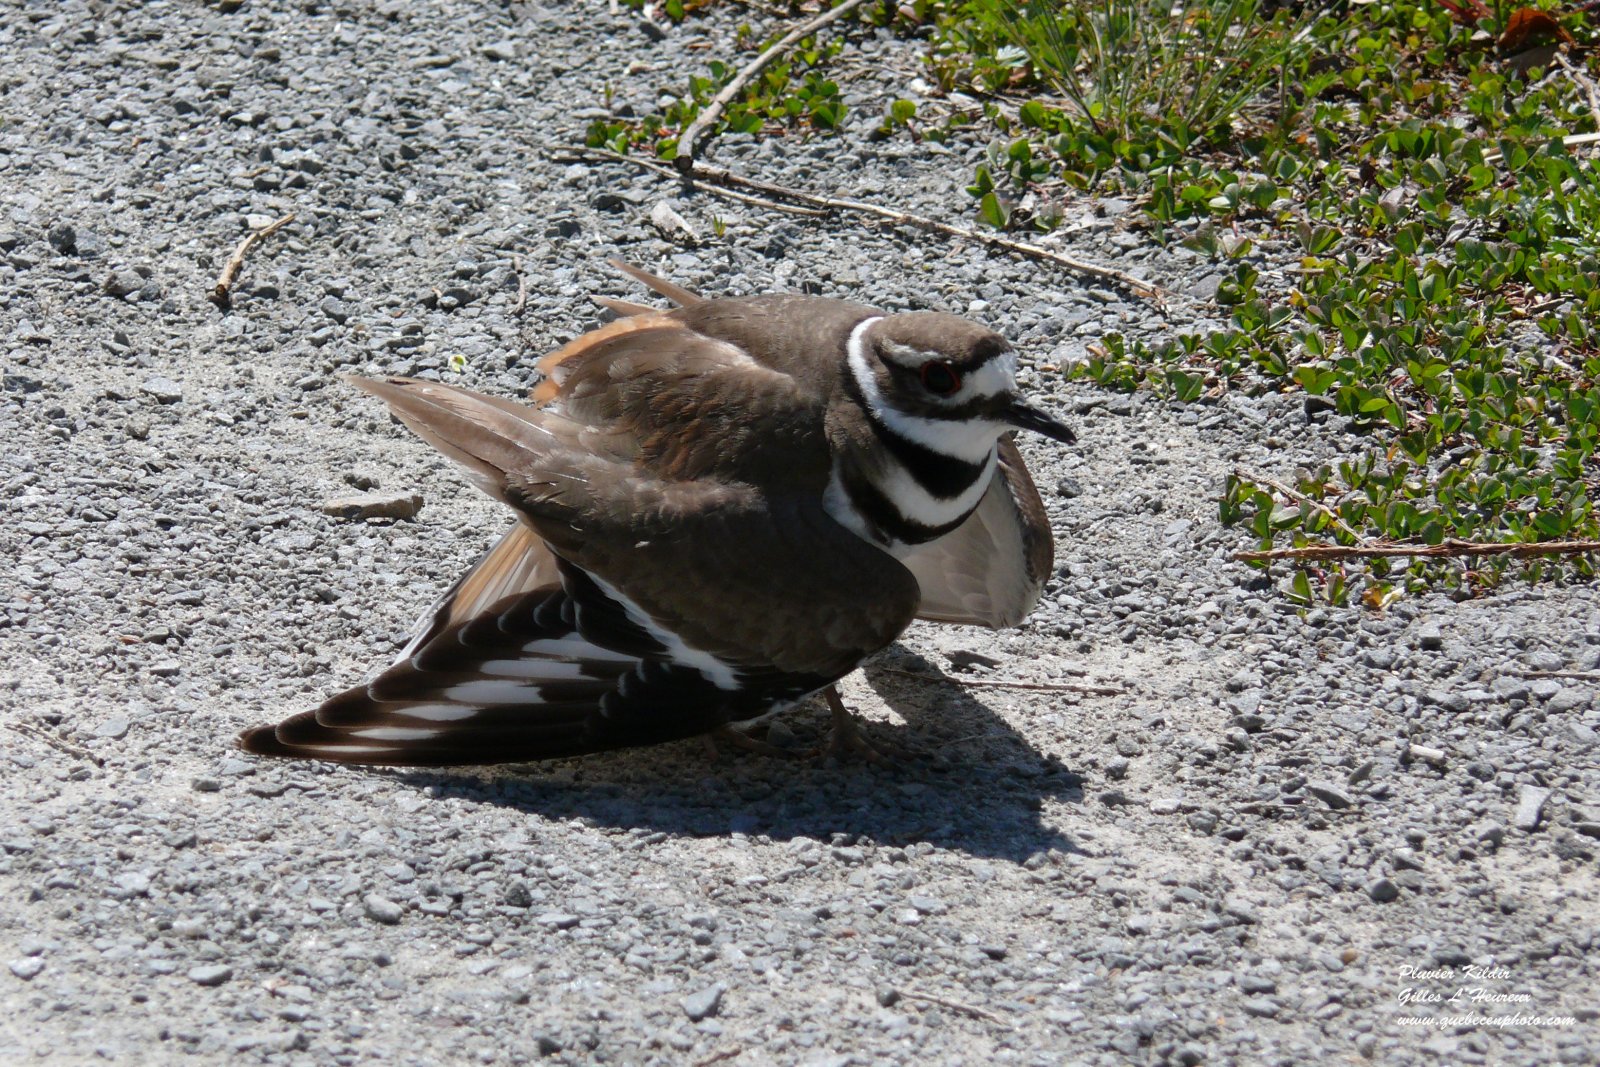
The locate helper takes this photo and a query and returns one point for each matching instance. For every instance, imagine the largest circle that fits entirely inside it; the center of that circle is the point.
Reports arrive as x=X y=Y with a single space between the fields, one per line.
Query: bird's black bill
x=1024 y=415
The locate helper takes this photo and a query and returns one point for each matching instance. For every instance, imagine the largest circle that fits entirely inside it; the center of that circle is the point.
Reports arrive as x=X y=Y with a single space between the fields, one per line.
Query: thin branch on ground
x=1571 y=140
x=578 y=153
x=896 y=217
x=716 y=179
x=59 y=744
x=1584 y=82
x=522 y=287
x=695 y=132
x=1333 y=516
x=1443 y=549
x=953 y=1005
x=998 y=683
x=725 y=1054
x=1576 y=676
x=235 y=264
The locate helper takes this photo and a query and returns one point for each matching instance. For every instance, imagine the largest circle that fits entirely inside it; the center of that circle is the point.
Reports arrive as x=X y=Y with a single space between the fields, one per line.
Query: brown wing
x=990 y=570
x=518 y=563
x=681 y=605
x=755 y=577
x=692 y=406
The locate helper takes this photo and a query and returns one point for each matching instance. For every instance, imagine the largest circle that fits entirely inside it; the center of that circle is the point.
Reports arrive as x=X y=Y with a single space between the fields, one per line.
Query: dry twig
x=998 y=683
x=582 y=152
x=1571 y=140
x=1333 y=516
x=1585 y=82
x=1443 y=549
x=522 y=287
x=954 y=1005
x=1576 y=676
x=58 y=743
x=689 y=140
x=895 y=217
x=716 y=179
x=231 y=269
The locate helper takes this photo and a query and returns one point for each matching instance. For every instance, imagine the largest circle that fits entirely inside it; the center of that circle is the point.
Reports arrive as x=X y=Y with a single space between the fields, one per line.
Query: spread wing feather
x=582 y=666
x=990 y=570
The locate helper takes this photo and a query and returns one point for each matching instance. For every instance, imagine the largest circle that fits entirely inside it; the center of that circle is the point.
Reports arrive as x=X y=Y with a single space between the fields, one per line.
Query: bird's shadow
x=973 y=784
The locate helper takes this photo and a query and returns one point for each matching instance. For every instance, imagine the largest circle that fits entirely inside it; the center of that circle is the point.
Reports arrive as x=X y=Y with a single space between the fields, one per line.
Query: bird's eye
x=940 y=379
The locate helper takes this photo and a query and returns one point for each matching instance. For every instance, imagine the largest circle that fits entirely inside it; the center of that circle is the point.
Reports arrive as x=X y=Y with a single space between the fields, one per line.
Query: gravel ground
x=1244 y=853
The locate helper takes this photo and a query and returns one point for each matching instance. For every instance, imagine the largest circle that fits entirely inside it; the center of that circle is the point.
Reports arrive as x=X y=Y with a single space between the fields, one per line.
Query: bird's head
x=944 y=382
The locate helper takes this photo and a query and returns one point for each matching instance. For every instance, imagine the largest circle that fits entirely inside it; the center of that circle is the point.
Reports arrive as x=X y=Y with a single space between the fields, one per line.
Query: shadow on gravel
x=971 y=783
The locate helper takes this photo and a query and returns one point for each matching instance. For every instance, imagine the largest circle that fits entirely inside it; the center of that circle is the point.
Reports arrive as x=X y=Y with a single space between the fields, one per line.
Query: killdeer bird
x=722 y=509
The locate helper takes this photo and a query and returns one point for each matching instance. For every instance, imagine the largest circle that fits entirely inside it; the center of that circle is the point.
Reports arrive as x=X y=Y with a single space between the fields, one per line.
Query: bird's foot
x=846 y=739
x=741 y=740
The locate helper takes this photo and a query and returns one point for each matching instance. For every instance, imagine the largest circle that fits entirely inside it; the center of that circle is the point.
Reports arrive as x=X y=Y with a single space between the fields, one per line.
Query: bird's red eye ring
x=941 y=379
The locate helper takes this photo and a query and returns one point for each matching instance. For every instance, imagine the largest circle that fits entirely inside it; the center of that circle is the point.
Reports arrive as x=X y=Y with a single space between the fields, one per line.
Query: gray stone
x=163 y=390
x=381 y=909
x=113 y=728
x=1571 y=698
x=1530 y=807
x=122 y=282
x=335 y=309
x=210 y=974
x=28 y=968
x=1382 y=890
x=1330 y=794
x=705 y=1003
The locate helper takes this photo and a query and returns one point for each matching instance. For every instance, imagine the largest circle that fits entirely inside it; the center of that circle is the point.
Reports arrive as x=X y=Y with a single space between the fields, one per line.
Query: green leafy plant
x=1143 y=70
x=792 y=93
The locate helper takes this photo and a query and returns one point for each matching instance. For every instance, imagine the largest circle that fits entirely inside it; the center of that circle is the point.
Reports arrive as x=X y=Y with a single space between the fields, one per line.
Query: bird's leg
x=846 y=736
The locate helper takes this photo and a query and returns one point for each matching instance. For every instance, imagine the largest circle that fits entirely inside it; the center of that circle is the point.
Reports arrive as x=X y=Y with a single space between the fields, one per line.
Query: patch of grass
x=1455 y=325
x=793 y=93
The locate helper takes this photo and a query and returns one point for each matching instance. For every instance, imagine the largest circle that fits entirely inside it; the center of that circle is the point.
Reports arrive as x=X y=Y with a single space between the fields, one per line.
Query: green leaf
x=994 y=212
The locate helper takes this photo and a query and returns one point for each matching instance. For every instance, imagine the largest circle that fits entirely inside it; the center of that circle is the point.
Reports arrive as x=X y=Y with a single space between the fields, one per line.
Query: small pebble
x=705 y=1003
x=27 y=968
x=210 y=974
x=381 y=909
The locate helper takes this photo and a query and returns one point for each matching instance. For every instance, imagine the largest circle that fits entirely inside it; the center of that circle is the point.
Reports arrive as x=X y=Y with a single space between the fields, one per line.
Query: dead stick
x=689 y=140
x=954 y=1005
x=1443 y=549
x=576 y=152
x=713 y=179
x=1577 y=676
x=997 y=683
x=57 y=743
x=1571 y=140
x=895 y=217
x=1333 y=516
x=522 y=286
x=231 y=269
x=1585 y=83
